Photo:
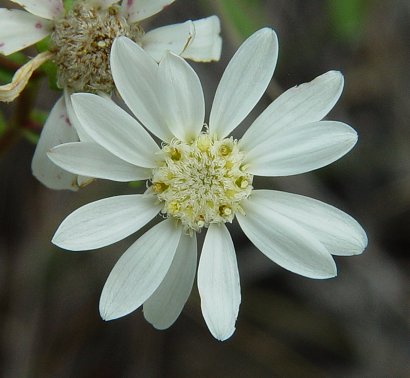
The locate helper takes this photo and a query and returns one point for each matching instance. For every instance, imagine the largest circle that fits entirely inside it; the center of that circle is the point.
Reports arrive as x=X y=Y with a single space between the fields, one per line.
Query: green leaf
x=30 y=135
x=5 y=76
x=38 y=116
x=68 y=5
x=50 y=69
x=43 y=45
x=3 y=124
x=347 y=17
x=242 y=17
x=135 y=184
x=18 y=57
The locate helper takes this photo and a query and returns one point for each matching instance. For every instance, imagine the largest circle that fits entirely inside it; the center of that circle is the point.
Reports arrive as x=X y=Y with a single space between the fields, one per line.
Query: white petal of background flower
x=336 y=230
x=140 y=270
x=20 y=29
x=218 y=282
x=135 y=76
x=91 y=160
x=301 y=148
x=114 y=129
x=137 y=10
x=244 y=81
x=181 y=97
x=175 y=38
x=49 y=9
x=207 y=44
x=167 y=302
x=104 y=222
x=284 y=241
x=57 y=130
x=305 y=103
x=74 y=119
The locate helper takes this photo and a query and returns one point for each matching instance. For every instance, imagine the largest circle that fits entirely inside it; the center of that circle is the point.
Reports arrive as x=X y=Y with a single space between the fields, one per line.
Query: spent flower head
x=200 y=178
x=80 y=41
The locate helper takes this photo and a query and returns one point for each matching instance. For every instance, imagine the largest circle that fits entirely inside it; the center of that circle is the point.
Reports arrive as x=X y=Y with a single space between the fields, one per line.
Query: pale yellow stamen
x=201 y=182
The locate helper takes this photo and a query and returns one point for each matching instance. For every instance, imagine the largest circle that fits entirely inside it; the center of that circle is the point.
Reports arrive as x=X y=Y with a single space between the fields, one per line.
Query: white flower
x=80 y=42
x=201 y=178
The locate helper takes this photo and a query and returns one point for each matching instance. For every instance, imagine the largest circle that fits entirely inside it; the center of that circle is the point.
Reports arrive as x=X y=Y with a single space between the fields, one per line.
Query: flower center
x=82 y=41
x=202 y=182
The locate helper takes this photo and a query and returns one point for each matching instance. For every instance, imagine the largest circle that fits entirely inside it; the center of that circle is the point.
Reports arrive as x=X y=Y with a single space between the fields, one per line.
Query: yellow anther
x=174 y=154
x=242 y=183
x=203 y=142
x=173 y=207
x=225 y=150
x=159 y=187
x=225 y=210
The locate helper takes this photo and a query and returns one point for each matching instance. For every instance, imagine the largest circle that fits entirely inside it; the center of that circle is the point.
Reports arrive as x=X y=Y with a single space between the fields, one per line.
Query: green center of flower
x=202 y=182
x=82 y=41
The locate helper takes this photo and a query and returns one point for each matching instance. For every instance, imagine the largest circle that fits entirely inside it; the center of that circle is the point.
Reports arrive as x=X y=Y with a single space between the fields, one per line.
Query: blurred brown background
x=356 y=325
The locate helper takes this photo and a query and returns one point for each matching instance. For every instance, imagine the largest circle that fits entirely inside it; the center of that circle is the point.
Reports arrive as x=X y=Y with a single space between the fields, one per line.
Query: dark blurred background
x=355 y=325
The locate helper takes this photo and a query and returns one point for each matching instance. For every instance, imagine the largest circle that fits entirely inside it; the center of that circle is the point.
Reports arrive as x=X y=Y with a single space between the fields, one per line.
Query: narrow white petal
x=181 y=97
x=139 y=271
x=91 y=160
x=49 y=9
x=57 y=130
x=284 y=241
x=301 y=148
x=167 y=302
x=174 y=38
x=306 y=103
x=338 y=231
x=244 y=81
x=135 y=76
x=114 y=129
x=20 y=29
x=84 y=137
x=137 y=10
x=207 y=43
x=104 y=222
x=218 y=282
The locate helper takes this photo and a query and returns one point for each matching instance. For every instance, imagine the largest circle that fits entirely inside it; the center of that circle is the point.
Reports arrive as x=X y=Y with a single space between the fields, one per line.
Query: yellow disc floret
x=201 y=182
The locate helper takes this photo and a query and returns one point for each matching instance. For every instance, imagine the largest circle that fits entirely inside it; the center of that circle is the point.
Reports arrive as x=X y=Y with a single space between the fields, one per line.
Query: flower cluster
x=200 y=178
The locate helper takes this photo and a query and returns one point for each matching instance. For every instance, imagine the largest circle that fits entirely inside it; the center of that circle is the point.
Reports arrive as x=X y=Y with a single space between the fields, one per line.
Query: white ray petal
x=135 y=76
x=218 y=282
x=140 y=270
x=284 y=241
x=206 y=46
x=167 y=302
x=336 y=230
x=244 y=81
x=114 y=129
x=137 y=10
x=91 y=160
x=175 y=38
x=303 y=104
x=182 y=99
x=84 y=137
x=57 y=130
x=301 y=148
x=20 y=29
x=49 y=9
x=104 y=222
